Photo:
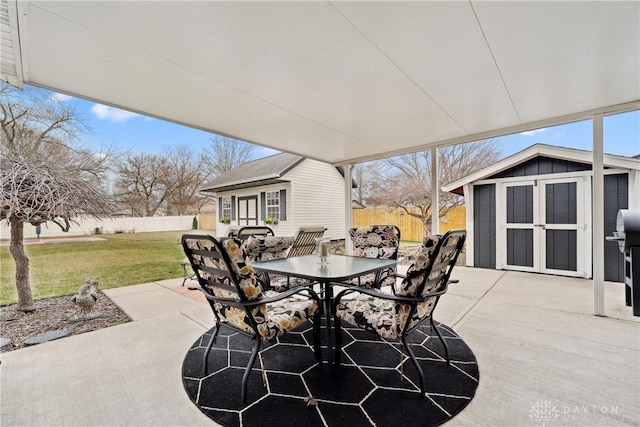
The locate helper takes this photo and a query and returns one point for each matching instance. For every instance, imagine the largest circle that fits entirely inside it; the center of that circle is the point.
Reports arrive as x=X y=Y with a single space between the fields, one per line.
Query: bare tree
x=188 y=173
x=34 y=126
x=362 y=176
x=143 y=183
x=404 y=182
x=226 y=153
x=35 y=192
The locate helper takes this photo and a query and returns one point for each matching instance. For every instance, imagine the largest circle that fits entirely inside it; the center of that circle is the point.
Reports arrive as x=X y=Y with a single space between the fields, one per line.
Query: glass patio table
x=339 y=268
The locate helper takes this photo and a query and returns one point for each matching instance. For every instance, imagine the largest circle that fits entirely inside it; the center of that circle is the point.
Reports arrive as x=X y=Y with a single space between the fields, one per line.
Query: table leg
x=328 y=297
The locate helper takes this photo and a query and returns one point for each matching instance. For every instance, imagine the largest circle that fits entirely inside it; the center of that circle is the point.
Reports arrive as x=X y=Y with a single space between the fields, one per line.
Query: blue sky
x=131 y=131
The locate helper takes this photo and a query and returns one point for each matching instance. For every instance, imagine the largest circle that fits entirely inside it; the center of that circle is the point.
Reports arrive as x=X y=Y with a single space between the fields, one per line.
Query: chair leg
x=205 y=358
x=186 y=276
x=247 y=372
x=338 y=347
x=316 y=335
x=444 y=343
x=415 y=363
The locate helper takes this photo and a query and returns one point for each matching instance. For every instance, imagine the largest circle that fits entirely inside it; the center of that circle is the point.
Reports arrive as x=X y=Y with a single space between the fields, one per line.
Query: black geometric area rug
x=376 y=385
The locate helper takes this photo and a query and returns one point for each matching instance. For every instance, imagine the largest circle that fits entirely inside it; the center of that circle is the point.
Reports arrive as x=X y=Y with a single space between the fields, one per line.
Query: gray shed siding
x=616 y=197
x=542 y=166
x=484 y=220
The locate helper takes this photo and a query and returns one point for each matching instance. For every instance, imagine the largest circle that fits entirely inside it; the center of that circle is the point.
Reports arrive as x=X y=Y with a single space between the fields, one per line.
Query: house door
x=248 y=210
x=543 y=227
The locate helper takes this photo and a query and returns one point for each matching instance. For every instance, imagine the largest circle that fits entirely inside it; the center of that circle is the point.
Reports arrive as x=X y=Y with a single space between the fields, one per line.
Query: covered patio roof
x=334 y=81
x=340 y=82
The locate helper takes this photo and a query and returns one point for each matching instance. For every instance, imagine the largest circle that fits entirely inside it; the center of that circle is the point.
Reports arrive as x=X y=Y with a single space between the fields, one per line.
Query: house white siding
x=314 y=196
x=317 y=197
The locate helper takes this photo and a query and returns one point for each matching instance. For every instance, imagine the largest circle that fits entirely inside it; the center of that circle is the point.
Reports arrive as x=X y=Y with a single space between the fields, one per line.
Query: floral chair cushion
x=376 y=241
x=388 y=318
x=273 y=319
x=265 y=248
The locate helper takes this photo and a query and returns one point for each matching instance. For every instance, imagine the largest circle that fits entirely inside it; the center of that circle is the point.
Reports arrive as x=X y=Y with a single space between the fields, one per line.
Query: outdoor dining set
x=265 y=286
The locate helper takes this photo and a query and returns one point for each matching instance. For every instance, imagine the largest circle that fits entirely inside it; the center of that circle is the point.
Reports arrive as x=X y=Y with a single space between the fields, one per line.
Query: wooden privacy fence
x=207 y=221
x=411 y=228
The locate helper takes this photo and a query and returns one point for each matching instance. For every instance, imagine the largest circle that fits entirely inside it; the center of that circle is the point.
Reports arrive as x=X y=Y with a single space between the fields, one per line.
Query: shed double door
x=543 y=226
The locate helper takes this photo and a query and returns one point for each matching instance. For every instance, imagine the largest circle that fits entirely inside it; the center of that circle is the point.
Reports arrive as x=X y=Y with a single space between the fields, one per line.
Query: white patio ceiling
x=335 y=81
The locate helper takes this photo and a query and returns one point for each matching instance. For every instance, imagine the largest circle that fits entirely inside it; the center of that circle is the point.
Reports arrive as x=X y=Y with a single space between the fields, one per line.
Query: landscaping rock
x=90 y=316
x=46 y=336
x=4 y=341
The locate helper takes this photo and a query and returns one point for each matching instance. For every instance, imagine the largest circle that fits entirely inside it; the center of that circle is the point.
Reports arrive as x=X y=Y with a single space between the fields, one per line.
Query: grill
x=627 y=235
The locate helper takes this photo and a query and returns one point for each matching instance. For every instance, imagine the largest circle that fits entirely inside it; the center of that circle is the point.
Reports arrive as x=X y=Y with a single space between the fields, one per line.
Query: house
x=283 y=191
x=533 y=211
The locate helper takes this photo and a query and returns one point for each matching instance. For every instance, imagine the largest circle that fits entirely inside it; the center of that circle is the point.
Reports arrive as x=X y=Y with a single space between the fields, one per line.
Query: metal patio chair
x=238 y=299
x=376 y=241
x=392 y=316
x=254 y=230
x=304 y=242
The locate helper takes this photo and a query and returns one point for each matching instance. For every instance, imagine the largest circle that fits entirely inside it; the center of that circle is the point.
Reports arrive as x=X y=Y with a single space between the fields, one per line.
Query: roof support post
x=598 y=216
x=435 y=192
x=348 y=214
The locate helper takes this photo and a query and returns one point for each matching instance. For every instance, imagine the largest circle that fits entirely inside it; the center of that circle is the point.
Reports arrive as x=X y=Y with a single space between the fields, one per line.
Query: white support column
x=435 y=192
x=348 y=214
x=598 y=216
x=468 y=200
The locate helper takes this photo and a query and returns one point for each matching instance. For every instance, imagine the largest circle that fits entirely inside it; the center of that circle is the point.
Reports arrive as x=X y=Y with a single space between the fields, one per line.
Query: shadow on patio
x=533 y=335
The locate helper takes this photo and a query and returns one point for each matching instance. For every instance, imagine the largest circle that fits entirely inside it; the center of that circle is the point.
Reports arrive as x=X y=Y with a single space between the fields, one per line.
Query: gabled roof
x=563 y=153
x=268 y=170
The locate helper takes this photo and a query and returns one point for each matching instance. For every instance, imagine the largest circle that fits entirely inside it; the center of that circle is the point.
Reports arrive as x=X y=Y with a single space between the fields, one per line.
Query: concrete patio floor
x=534 y=337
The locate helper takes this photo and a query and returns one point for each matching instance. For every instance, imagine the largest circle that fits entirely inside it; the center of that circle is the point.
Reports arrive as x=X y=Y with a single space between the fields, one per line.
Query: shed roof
x=563 y=153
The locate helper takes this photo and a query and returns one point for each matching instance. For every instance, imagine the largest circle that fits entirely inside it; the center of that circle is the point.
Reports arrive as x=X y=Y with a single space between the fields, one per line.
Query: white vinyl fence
x=89 y=226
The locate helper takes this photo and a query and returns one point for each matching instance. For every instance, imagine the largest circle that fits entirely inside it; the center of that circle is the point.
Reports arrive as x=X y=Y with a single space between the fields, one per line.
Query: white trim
x=583 y=259
x=634 y=190
x=21 y=42
x=12 y=12
x=539 y=225
x=502 y=225
x=470 y=254
x=562 y=175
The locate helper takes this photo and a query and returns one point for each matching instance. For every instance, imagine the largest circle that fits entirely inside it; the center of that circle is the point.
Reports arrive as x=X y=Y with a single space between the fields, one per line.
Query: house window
x=226 y=209
x=273 y=205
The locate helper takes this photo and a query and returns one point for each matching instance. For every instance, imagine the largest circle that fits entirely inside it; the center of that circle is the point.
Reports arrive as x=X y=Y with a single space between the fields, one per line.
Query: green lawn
x=118 y=260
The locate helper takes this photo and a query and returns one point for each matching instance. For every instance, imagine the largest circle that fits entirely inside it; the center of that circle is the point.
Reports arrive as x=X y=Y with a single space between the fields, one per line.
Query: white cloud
x=60 y=97
x=104 y=112
x=533 y=132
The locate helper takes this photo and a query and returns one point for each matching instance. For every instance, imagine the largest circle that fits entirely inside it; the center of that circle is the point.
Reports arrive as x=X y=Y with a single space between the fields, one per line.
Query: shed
x=532 y=211
x=283 y=191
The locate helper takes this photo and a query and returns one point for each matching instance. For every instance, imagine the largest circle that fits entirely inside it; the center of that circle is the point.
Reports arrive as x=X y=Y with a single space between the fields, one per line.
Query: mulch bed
x=53 y=314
